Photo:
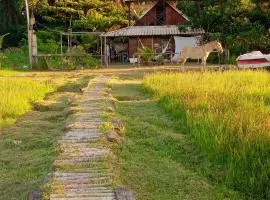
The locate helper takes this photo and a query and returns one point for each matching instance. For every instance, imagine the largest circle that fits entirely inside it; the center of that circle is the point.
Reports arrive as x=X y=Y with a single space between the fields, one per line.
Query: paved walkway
x=82 y=170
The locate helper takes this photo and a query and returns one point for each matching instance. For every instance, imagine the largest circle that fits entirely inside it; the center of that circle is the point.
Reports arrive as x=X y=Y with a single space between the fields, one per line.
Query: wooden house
x=156 y=28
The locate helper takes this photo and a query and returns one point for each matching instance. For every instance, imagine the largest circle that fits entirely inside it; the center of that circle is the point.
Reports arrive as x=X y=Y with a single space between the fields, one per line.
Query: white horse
x=201 y=52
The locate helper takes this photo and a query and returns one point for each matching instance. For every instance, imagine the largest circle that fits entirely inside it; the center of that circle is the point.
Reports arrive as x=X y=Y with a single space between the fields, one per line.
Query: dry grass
x=228 y=116
x=156 y=159
x=27 y=147
x=17 y=94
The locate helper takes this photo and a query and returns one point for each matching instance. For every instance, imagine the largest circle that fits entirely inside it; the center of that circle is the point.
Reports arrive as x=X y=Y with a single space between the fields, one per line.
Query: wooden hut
x=156 y=28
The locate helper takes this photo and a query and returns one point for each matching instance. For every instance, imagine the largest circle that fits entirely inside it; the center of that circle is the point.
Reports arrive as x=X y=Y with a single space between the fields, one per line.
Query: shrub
x=146 y=54
x=15 y=58
x=2 y=59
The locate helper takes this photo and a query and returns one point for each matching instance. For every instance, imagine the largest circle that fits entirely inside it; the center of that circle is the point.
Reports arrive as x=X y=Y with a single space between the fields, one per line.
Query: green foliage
x=97 y=15
x=49 y=47
x=10 y=14
x=77 y=58
x=92 y=62
x=85 y=15
x=2 y=59
x=146 y=54
x=2 y=39
x=89 y=42
x=227 y=114
x=15 y=58
x=83 y=60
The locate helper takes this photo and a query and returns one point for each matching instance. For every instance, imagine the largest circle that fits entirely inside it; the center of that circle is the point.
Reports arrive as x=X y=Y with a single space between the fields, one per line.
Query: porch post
x=171 y=54
x=153 y=44
x=139 y=56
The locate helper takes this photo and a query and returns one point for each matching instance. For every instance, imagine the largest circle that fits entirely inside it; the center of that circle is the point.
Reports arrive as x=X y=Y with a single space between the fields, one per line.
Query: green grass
x=16 y=60
x=28 y=147
x=17 y=94
x=227 y=115
x=156 y=159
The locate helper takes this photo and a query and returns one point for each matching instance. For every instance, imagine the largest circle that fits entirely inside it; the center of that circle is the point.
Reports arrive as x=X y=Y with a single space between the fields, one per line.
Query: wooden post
x=61 y=39
x=101 y=50
x=137 y=51
x=171 y=50
x=105 y=52
x=69 y=32
x=29 y=34
x=33 y=36
x=153 y=44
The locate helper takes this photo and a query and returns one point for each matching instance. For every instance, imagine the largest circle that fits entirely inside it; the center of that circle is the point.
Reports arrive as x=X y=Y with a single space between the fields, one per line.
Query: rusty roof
x=167 y=30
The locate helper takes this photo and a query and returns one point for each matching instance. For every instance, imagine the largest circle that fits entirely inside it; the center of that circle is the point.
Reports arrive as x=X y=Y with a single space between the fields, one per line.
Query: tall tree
x=10 y=12
x=87 y=15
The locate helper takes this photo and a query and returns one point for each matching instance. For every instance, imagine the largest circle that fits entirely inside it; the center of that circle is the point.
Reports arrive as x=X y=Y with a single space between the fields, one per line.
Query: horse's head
x=218 y=46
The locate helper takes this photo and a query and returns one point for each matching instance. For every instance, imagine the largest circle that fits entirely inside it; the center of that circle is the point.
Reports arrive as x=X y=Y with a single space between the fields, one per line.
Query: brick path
x=82 y=170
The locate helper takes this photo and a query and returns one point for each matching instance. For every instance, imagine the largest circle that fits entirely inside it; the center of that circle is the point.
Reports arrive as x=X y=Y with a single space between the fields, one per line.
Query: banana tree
x=2 y=39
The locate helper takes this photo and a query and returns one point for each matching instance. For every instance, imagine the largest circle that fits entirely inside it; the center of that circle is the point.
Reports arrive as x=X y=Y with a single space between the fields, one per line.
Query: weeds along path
x=81 y=170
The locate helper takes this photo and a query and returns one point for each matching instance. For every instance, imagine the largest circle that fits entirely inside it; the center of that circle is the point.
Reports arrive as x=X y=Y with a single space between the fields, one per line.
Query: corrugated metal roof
x=152 y=31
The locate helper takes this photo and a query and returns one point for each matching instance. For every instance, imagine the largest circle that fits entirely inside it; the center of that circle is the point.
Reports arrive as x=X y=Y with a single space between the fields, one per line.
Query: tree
x=84 y=15
x=10 y=14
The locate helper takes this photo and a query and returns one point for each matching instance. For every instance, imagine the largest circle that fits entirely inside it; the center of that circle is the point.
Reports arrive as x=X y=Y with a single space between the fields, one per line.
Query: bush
x=2 y=59
x=146 y=54
x=77 y=58
x=49 y=47
x=15 y=58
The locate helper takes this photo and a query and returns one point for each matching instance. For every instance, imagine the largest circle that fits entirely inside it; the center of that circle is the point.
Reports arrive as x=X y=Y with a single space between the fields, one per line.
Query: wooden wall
x=172 y=17
x=148 y=20
x=132 y=46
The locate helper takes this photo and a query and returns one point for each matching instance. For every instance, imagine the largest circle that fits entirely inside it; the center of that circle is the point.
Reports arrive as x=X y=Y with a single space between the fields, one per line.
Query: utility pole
x=29 y=34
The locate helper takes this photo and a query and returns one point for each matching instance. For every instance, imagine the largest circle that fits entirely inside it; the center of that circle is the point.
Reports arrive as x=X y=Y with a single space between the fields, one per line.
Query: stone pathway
x=82 y=169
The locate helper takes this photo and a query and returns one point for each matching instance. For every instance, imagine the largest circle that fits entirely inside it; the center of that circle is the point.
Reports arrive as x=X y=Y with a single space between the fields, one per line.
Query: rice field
x=228 y=116
x=16 y=96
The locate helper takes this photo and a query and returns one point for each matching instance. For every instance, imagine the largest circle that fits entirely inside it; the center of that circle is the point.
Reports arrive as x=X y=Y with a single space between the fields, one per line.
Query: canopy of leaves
x=81 y=15
x=242 y=25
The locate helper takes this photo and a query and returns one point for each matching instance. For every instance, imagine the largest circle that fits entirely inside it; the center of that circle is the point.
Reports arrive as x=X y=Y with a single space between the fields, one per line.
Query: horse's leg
x=203 y=63
x=183 y=64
